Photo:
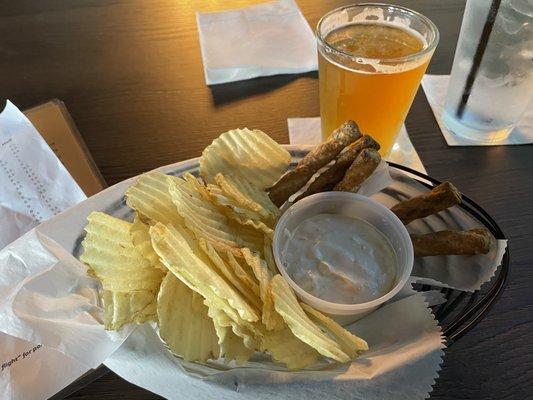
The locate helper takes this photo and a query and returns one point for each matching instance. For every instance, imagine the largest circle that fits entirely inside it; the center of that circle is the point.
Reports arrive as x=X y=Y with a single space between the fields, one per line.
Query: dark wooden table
x=130 y=73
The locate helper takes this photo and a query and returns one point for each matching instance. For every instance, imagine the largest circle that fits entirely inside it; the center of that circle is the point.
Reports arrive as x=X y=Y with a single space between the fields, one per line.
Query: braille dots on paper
x=14 y=149
x=17 y=185
x=41 y=190
x=9 y=173
x=27 y=201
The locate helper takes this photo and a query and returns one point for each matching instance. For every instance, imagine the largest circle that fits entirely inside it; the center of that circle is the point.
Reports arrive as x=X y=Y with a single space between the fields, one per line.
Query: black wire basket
x=457 y=315
x=463 y=310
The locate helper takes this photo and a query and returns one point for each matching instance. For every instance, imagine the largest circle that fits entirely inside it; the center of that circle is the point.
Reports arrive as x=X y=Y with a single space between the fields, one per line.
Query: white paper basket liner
x=466 y=273
x=406 y=354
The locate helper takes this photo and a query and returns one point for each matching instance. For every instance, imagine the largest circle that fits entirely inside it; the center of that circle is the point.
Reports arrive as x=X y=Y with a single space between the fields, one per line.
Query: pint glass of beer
x=371 y=60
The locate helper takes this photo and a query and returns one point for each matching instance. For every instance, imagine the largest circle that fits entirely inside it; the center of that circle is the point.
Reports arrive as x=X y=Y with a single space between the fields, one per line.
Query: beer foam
x=370 y=16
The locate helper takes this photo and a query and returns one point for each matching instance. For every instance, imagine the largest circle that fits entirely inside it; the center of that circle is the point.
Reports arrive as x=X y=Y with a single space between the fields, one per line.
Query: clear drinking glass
x=492 y=76
x=371 y=59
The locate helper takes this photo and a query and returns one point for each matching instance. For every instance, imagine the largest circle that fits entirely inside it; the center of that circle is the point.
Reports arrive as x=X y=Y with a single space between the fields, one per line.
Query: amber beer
x=370 y=69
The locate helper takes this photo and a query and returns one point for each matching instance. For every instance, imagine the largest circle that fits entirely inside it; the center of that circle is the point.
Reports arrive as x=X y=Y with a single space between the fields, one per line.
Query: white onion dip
x=340 y=259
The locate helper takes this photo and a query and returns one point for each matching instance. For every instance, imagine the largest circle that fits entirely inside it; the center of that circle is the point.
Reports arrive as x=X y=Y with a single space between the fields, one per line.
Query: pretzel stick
x=474 y=241
x=362 y=167
x=322 y=154
x=333 y=175
x=439 y=198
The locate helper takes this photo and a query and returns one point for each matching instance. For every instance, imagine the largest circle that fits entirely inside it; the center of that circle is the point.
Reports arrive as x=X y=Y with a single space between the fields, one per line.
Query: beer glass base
x=469 y=133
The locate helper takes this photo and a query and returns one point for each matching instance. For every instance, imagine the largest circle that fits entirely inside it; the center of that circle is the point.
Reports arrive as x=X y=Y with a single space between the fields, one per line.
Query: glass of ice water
x=492 y=76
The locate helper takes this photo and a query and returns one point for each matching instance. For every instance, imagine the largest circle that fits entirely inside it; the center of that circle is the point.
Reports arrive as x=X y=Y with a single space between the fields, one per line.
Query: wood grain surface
x=130 y=74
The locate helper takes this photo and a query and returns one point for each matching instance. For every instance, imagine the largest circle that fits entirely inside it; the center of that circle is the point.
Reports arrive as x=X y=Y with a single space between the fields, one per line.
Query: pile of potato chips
x=197 y=259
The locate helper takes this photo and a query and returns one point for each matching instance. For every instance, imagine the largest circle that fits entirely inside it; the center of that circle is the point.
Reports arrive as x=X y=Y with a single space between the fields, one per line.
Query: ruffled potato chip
x=350 y=344
x=183 y=322
x=202 y=217
x=269 y=256
x=129 y=277
x=246 y=275
x=237 y=212
x=121 y=308
x=176 y=254
x=142 y=241
x=150 y=197
x=299 y=323
x=286 y=348
x=232 y=346
x=248 y=236
x=112 y=256
x=269 y=317
x=249 y=154
x=207 y=221
x=228 y=273
x=247 y=195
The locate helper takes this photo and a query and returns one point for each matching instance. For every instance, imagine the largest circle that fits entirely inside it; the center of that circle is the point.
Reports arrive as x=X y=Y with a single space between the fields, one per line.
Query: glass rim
x=431 y=46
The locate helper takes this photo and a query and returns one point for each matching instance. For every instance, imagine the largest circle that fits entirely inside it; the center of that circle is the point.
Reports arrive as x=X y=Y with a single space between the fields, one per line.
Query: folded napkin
x=260 y=40
x=436 y=86
x=307 y=131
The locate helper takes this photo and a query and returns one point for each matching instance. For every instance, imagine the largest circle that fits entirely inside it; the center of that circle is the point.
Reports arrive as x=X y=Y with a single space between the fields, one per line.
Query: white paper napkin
x=35 y=186
x=47 y=297
x=436 y=86
x=260 y=40
x=306 y=131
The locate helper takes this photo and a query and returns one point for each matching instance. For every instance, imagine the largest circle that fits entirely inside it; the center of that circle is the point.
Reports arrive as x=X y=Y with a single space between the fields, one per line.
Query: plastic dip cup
x=355 y=206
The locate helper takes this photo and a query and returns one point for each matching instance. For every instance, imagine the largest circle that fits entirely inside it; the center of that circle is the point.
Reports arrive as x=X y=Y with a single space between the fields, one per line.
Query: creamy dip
x=340 y=259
